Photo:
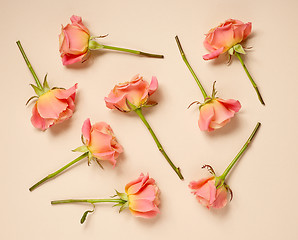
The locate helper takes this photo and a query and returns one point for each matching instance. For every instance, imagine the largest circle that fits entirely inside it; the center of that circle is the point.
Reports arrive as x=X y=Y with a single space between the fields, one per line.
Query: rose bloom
x=216 y=113
x=73 y=41
x=54 y=106
x=143 y=197
x=220 y=39
x=207 y=194
x=137 y=92
x=101 y=141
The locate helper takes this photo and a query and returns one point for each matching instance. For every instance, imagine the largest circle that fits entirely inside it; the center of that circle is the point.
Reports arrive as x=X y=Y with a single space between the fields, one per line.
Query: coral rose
x=137 y=92
x=53 y=106
x=216 y=112
x=143 y=197
x=101 y=141
x=220 y=39
x=73 y=41
x=208 y=194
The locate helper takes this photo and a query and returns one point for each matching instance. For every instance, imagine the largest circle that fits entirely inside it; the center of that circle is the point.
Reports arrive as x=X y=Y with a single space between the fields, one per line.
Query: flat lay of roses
x=98 y=142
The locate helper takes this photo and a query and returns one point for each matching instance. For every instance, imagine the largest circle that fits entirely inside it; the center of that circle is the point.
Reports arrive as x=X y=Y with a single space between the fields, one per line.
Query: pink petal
x=99 y=142
x=207 y=191
x=153 y=85
x=86 y=129
x=64 y=94
x=76 y=20
x=149 y=214
x=141 y=205
x=213 y=54
x=247 y=30
x=197 y=184
x=149 y=193
x=102 y=127
x=113 y=102
x=206 y=115
x=221 y=198
x=133 y=188
x=64 y=115
x=230 y=104
x=49 y=106
x=106 y=156
x=38 y=122
x=68 y=59
x=221 y=113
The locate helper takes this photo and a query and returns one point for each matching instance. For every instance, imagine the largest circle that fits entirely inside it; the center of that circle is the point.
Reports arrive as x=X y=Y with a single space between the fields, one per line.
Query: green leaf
x=123 y=196
x=125 y=205
x=83 y=219
x=231 y=51
x=83 y=148
x=239 y=49
x=31 y=99
x=45 y=84
x=37 y=90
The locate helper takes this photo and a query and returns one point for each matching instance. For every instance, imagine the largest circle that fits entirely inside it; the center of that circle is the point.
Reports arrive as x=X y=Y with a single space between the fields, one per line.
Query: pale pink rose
x=220 y=39
x=207 y=194
x=101 y=141
x=143 y=197
x=54 y=106
x=137 y=92
x=216 y=113
x=74 y=41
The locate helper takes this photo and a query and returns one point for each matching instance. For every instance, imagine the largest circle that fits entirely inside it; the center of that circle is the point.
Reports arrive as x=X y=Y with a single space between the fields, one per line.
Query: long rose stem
x=29 y=65
x=58 y=171
x=250 y=78
x=133 y=51
x=190 y=68
x=160 y=148
x=225 y=173
x=93 y=45
x=87 y=201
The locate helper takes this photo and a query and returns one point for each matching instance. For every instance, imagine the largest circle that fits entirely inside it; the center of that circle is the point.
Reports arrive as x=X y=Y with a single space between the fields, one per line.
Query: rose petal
x=39 y=122
x=153 y=85
x=213 y=54
x=206 y=115
x=230 y=104
x=86 y=128
x=64 y=94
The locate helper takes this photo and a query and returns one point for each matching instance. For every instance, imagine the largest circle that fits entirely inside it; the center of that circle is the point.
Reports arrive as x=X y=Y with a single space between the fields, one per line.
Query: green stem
x=87 y=201
x=160 y=148
x=190 y=68
x=95 y=45
x=29 y=65
x=58 y=171
x=250 y=78
x=225 y=173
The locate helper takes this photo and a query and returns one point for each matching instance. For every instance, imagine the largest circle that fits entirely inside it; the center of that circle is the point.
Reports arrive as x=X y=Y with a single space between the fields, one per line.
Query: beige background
x=264 y=181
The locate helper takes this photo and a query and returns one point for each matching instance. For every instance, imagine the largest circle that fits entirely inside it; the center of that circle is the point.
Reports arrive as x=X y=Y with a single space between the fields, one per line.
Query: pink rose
x=54 y=106
x=137 y=92
x=216 y=113
x=208 y=194
x=74 y=41
x=143 y=197
x=220 y=39
x=101 y=141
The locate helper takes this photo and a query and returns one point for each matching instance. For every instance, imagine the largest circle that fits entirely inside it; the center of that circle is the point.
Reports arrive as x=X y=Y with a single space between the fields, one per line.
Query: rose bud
x=216 y=113
x=212 y=192
x=220 y=39
x=73 y=41
x=141 y=197
x=99 y=142
x=53 y=105
x=137 y=92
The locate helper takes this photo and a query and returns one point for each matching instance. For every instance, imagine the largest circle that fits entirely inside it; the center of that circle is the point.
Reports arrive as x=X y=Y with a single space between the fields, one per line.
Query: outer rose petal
x=136 y=187
x=221 y=113
x=206 y=115
x=221 y=198
x=139 y=179
x=153 y=85
x=49 y=106
x=78 y=21
x=70 y=59
x=99 y=142
x=213 y=54
x=140 y=205
x=38 y=122
x=231 y=104
x=86 y=129
x=64 y=94
x=149 y=214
